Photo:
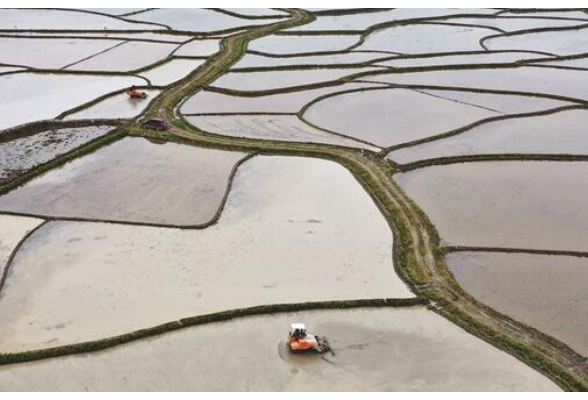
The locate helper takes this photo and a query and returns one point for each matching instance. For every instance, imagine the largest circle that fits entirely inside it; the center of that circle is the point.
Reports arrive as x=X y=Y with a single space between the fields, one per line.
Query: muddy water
x=129 y=56
x=199 y=48
x=12 y=230
x=362 y=21
x=423 y=38
x=538 y=205
x=114 y=11
x=253 y=60
x=157 y=35
x=31 y=19
x=375 y=350
x=516 y=24
x=560 y=133
x=132 y=180
x=525 y=79
x=20 y=155
x=195 y=19
x=267 y=80
x=545 y=292
x=566 y=42
x=475 y=58
x=284 y=128
x=210 y=102
x=503 y=104
x=118 y=106
x=392 y=116
x=49 y=53
x=288 y=234
x=280 y=45
x=32 y=97
x=171 y=71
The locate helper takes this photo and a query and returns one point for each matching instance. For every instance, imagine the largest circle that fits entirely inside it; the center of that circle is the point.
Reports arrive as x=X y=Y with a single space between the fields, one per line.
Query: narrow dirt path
x=418 y=257
x=232 y=49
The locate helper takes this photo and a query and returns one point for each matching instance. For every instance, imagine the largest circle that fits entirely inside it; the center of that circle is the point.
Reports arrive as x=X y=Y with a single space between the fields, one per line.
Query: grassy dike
x=106 y=343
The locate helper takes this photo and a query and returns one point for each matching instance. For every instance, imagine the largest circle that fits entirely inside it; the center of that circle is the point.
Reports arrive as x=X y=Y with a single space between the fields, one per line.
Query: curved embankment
x=418 y=257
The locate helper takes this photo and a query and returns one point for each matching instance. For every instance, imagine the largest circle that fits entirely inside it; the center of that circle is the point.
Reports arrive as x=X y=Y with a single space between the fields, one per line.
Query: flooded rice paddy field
x=387 y=117
x=12 y=232
x=21 y=154
x=557 y=133
x=160 y=184
x=425 y=39
x=270 y=80
x=255 y=60
x=375 y=350
x=118 y=106
x=532 y=288
x=417 y=87
x=284 y=128
x=32 y=97
x=170 y=71
x=539 y=80
x=561 y=43
x=50 y=53
x=284 y=45
x=195 y=19
x=511 y=204
x=499 y=103
x=74 y=282
x=198 y=48
x=208 y=102
x=53 y=19
x=129 y=56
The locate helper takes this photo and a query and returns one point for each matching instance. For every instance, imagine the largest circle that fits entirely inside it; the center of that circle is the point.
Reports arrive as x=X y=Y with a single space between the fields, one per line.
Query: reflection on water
x=533 y=204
